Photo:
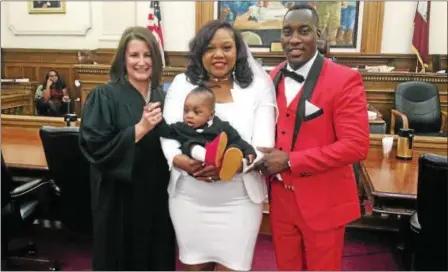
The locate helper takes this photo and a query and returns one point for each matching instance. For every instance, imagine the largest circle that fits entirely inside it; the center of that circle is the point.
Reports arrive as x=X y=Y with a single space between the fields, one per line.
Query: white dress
x=219 y=221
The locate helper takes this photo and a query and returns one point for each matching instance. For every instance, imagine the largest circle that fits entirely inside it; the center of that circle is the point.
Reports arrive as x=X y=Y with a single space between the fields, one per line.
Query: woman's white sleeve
x=265 y=118
x=172 y=113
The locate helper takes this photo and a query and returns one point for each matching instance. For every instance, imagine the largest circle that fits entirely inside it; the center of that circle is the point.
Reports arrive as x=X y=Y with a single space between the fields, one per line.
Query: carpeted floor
x=363 y=251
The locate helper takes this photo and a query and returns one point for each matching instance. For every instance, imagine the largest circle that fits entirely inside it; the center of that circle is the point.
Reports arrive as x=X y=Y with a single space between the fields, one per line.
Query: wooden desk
x=390 y=184
x=22 y=148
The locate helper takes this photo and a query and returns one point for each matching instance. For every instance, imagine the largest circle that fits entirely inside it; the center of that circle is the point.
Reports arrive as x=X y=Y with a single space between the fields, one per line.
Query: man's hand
x=275 y=161
x=250 y=159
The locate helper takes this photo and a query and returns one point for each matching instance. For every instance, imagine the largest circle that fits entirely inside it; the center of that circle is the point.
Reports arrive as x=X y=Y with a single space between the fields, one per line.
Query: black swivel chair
x=70 y=171
x=417 y=106
x=20 y=203
x=427 y=235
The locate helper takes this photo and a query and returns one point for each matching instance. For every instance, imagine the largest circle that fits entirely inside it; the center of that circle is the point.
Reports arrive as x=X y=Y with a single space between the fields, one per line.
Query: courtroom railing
x=18 y=97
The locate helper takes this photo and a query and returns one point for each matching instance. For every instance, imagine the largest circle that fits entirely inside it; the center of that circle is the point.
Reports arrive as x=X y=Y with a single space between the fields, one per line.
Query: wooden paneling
x=33 y=122
x=372 y=32
x=435 y=145
x=92 y=75
x=379 y=86
x=18 y=98
x=34 y=63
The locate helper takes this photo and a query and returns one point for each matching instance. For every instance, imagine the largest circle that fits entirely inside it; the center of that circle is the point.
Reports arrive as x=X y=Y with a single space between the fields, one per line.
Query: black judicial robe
x=131 y=223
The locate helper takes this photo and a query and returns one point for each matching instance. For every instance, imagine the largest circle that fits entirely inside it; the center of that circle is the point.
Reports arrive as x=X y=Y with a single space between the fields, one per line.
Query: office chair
x=70 y=171
x=427 y=233
x=20 y=204
x=417 y=106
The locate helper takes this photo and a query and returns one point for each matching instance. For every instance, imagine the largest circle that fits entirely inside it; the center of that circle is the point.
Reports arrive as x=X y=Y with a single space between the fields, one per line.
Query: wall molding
x=115 y=37
x=82 y=31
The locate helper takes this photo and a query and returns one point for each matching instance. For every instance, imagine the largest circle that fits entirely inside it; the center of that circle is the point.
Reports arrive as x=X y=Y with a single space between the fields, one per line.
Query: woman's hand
x=187 y=164
x=151 y=116
x=209 y=173
x=49 y=82
x=196 y=168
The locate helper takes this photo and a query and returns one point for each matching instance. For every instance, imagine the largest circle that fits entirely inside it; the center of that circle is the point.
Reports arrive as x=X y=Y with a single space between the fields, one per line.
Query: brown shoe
x=231 y=162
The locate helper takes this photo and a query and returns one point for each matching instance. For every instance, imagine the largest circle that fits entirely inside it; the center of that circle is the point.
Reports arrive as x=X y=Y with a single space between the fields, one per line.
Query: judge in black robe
x=132 y=229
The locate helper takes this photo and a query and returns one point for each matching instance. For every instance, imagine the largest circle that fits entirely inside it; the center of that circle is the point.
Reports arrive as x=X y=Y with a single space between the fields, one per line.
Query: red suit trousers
x=296 y=245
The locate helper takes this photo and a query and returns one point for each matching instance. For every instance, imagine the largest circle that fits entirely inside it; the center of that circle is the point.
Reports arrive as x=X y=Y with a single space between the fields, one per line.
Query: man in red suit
x=322 y=129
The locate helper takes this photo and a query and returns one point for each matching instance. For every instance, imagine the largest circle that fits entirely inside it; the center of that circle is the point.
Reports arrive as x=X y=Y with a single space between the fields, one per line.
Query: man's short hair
x=301 y=6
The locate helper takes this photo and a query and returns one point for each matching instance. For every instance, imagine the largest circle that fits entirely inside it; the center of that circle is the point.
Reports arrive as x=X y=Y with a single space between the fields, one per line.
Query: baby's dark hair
x=208 y=94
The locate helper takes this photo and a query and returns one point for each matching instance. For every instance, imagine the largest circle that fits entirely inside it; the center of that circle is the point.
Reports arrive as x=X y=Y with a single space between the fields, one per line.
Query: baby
x=206 y=138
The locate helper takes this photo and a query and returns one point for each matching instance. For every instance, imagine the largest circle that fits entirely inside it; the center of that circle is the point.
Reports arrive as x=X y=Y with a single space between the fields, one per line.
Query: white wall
x=98 y=24
x=398 y=27
x=92 y=25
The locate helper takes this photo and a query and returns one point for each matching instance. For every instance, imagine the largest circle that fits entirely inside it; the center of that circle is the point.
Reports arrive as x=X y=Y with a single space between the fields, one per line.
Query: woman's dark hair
x=118 y=71
x=196 y=73
x=58 y=85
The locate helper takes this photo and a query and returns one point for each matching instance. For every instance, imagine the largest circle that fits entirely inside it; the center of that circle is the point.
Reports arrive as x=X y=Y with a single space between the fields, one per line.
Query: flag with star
x=155 y=25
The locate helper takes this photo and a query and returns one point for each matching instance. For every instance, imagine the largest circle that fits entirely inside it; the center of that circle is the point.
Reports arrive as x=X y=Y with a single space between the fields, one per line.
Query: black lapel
x=278 y=77
x=307 y=92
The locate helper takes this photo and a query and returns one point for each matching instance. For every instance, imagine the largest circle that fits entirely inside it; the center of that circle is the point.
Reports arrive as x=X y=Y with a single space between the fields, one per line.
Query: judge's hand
x=152 y=115
x=187 y=164
x=275 y=161
x=209 y=173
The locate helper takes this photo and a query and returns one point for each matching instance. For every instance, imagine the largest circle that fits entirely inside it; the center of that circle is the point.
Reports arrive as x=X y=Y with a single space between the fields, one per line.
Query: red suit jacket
x=326 y=146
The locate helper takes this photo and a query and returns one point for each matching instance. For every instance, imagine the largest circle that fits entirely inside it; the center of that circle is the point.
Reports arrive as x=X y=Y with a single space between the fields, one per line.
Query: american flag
x=155 y=25
x=420 y=39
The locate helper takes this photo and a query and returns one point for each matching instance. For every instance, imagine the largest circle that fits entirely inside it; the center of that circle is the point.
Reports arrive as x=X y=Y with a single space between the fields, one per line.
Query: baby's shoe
x=231 y=163
x=214 y=150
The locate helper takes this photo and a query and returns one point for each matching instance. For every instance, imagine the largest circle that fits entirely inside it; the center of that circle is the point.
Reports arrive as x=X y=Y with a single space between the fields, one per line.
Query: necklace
x=148 y=97
x=219 y=79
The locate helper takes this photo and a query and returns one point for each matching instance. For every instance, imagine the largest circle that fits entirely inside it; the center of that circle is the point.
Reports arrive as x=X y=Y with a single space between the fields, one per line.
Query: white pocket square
x=310 y=108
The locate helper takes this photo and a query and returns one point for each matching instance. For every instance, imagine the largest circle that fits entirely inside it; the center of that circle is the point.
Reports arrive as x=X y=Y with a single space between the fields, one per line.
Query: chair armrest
x=392 y=120
x=444 y=119
x=28 y=187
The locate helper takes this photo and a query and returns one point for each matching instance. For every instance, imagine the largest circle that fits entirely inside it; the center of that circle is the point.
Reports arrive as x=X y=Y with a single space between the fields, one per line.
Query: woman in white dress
x=217 y=222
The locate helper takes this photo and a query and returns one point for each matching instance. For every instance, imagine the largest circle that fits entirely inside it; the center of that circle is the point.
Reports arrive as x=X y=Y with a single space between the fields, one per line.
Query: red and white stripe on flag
x=420 y=39
x=155 y=25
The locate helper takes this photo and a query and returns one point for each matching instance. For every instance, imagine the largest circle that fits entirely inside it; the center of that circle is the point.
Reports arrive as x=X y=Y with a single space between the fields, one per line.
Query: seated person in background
x=85 y=57
x=52 y=96
x=205 y=137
